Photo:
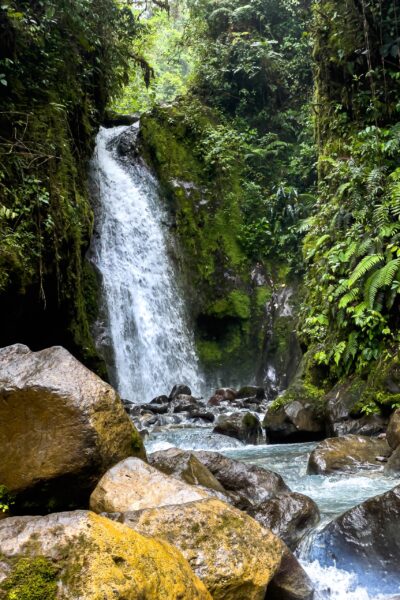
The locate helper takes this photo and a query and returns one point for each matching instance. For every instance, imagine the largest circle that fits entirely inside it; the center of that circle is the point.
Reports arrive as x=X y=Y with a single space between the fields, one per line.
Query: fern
x=364 y=247
x=351 y=347
x=349 y=298
x=380 y=279
x=364 y=266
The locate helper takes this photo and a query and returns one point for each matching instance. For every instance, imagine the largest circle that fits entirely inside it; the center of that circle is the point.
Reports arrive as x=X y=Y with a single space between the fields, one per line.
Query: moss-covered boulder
x=133 y=485
x=350 y=453
x=297 y=415
x=230 y=552
x=87 y=556
x=61 y=426
x=245 y=427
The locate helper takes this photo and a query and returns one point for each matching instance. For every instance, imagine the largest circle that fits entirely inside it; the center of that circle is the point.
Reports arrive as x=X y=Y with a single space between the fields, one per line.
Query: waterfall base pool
x=334 y=494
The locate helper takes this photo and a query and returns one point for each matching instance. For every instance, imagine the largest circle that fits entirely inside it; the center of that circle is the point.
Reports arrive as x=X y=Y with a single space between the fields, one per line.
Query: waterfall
x=145 y=322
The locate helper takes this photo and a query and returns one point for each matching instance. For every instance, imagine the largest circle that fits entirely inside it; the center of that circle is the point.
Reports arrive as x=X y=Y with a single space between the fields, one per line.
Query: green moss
x=137 y=445
x=235 y=304
x=302 y=391
x=31 y=579
x=210 y=352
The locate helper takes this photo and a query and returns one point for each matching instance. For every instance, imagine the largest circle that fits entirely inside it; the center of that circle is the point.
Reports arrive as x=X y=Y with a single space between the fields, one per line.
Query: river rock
x=366 y=541
x=245 y=427
x=393 y=464
x=133 y=485
x=186 y=466
x=393 y=430
x=297 y=421
x=87 y=556
x=350 y=453
x=58 y=422
x=251 y=391
x=179 y=389
x=289 y=516
x=290 y=582
x=230 y=552
x=227 y=394
x=249 y=484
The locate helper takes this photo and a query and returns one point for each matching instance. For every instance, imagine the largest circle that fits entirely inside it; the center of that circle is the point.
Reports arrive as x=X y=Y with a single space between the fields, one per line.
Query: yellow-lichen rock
x=93 y=558
x=58 y=419
x=133 y=485
x=230 y=552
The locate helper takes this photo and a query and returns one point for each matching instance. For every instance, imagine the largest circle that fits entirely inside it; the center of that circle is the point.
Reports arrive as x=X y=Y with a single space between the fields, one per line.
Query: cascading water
x=145 y=315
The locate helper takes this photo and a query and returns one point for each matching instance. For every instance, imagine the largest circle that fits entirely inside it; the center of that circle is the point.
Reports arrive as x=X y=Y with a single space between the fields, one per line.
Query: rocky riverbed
x=207 y=510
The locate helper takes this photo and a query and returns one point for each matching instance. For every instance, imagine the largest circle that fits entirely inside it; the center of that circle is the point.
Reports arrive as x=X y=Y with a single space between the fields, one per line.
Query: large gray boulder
x=295 y=421
x=61 y=426
x=366 y=541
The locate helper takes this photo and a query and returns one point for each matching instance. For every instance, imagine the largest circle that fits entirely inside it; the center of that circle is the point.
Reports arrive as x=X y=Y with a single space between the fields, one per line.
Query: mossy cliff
x=194 y=156
x=60 y=64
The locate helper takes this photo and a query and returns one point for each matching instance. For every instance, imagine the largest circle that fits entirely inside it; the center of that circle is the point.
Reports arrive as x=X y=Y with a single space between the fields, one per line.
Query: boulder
x=133 y=485
x=288 y=515
x=230 y=552
x=87 y=556
x=296 y=421
x=366 y=541
x=251 y=391
x=61 y=426
x=184 y=465
x=393 y=464
x=249 y=484
x=179 y=389
x=245 y=427
x=226 y=394
x=350 y=453
x=290 y=582
x=393 y=430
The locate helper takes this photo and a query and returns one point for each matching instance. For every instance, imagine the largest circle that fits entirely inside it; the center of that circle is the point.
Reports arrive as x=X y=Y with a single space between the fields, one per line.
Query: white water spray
x=152 y=345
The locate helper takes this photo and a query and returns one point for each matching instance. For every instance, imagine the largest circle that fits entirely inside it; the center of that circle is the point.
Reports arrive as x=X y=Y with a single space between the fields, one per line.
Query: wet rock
x=185 y=403
x=289 y=516
x=350 y=453
x=157 y=409
x=393 y=464
x=230 y=552
x=393 y=431
x=61 y=426
x=89 y=556
x=179 y=389
x=251 y=391
x=291 y=582
x=226 y=394
x=185 y=466
x=249 y=484
x=160 y=400
x=342 y=415
x=133 y=485
x=201 y=414
x=365 y=540
x=297 y=421
x=215 y=400
x=113 y=119
x=244 y=427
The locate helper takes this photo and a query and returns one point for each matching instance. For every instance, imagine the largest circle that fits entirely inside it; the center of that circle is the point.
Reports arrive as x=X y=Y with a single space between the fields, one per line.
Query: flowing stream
x=334 y=494
x=145 y=322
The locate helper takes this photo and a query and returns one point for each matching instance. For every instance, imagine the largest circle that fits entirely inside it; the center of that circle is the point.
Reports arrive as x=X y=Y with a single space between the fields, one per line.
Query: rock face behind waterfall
x=61 y=426
x=366 y=540
x=87 y=556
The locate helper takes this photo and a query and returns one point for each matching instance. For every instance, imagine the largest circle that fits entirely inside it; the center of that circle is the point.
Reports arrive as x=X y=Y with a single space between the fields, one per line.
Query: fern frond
x=381 y=278
x=364 y=247
x=364 y=266
x=349 y=297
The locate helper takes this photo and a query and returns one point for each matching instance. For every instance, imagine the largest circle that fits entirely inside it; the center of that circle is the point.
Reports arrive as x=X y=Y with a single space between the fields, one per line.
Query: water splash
x=152 y=345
